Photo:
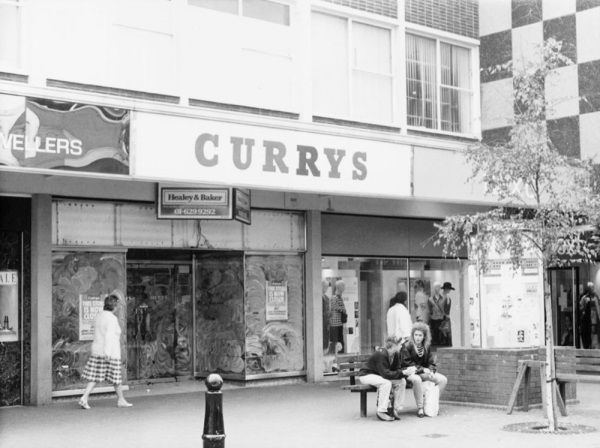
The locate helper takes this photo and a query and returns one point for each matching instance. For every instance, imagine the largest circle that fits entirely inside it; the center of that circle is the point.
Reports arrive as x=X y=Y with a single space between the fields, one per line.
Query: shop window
x=352 y=69
x=266 y=10
x=439 y=85
x=81 y=281
x=10 y=35
x=366 y=287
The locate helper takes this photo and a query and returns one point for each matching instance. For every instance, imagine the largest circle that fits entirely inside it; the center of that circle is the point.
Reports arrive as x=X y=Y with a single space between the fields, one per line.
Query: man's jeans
x=384 y=387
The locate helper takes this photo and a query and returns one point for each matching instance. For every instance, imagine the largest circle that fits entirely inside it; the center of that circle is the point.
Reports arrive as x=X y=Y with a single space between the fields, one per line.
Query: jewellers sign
x=57 y=135
x=190 y=150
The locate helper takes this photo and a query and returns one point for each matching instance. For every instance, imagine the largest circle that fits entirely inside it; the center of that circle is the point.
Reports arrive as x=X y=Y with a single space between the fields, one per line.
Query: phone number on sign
x=195 y=211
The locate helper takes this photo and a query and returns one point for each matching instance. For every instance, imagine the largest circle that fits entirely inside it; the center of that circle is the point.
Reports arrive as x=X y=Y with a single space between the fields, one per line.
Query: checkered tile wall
x=514 y=30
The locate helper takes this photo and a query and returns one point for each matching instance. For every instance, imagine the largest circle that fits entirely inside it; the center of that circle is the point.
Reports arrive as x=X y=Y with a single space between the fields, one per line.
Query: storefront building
x=218 y=184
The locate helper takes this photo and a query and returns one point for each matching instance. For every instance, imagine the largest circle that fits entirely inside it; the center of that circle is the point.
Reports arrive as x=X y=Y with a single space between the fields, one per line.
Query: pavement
x=274 y=416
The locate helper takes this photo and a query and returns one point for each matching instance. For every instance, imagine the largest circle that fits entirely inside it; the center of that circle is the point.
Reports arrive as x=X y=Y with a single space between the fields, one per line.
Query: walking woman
x=105 y=361
x=416 y=353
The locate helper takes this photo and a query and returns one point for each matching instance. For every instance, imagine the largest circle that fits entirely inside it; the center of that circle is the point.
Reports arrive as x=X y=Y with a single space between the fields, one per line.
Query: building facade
x=331 y=130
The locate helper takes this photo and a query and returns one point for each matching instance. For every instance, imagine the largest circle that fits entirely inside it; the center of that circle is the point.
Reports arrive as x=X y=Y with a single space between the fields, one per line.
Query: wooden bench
x=349 y=366
x=576 y=366
x=571 y=366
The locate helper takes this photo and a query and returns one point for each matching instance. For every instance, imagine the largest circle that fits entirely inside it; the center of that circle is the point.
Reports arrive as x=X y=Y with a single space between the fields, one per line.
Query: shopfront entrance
x=565 y=290
x=159 y=320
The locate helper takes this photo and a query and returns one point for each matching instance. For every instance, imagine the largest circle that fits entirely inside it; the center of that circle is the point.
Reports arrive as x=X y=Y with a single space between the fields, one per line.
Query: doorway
x=564 y=287
x=159 y=320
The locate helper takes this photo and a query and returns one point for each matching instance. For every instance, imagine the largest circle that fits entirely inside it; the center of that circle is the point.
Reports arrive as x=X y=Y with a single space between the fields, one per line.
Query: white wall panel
x=137 y=226
x=85 y=223
x=275 y=231
x=89 y=223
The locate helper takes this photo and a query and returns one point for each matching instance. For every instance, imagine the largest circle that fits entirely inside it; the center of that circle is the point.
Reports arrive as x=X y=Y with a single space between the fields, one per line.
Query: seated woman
x=416 y=353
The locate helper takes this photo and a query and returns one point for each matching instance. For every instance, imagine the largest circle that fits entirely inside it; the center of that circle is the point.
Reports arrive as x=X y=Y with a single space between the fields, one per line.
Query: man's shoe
x=383 y=416
x=396 y=415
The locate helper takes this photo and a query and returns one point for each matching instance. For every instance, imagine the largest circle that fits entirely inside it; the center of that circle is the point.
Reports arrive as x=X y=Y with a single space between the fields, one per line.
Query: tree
x=547 y=202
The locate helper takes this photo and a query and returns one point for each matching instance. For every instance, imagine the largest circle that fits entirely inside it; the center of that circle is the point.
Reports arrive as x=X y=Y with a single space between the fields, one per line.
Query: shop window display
x=371 y=286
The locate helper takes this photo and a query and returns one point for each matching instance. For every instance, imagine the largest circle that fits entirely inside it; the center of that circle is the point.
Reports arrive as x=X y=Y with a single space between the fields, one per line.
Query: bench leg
x=526 y=389
x=513 y=396
x=561 y=398
x=363 y=403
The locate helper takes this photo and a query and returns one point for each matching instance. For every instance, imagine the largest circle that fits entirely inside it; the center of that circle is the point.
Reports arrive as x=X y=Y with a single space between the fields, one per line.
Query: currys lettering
x=334 y=163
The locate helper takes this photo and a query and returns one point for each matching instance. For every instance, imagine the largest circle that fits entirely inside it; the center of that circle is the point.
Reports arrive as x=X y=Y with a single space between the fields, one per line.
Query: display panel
x=82 y=277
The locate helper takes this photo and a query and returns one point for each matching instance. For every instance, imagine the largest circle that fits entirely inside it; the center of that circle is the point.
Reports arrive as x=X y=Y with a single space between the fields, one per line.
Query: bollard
x=214 y=430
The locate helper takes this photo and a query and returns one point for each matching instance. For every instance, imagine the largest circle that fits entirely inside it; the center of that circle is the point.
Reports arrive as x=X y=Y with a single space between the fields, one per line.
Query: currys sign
x=193 y=150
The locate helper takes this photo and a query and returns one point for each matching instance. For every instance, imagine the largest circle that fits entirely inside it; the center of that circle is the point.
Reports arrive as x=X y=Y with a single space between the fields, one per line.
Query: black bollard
x=214 y=430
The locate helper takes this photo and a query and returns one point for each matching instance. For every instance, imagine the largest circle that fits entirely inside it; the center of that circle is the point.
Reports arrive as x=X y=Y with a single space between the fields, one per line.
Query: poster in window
x=9 y=306
x=277 y=301
x=89 y=308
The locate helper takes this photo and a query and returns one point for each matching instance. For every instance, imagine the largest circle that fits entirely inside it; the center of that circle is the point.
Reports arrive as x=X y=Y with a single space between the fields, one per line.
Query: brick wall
x=486 y=377
x=387 y=8
x=454 y=16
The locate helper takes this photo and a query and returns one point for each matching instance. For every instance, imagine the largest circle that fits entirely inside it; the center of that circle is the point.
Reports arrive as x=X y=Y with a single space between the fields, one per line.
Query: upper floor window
x=10 y=35
x=256 y=9
x=352 y=76
x=438 y=85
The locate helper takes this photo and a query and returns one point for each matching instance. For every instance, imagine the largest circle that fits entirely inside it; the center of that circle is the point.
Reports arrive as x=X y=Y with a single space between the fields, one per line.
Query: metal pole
x=214 y=430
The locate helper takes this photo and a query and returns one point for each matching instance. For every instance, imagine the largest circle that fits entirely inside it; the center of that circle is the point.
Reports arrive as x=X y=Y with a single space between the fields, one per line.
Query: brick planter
x=486 y=376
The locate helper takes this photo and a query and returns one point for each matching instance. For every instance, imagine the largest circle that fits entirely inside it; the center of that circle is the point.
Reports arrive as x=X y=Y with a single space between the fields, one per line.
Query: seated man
x=382 y=370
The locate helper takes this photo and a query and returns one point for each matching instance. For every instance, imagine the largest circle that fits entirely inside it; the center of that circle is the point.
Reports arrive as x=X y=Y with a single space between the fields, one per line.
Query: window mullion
x=438 y=86
x=351 y=62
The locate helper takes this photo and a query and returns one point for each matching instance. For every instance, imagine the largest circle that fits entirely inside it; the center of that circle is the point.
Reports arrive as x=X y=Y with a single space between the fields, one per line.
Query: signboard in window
x=277 y=301
x=9 y=306
x=89 y=308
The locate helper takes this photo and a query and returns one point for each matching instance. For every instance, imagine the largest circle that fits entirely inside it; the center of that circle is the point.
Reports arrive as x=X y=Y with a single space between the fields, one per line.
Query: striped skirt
x=103 y=369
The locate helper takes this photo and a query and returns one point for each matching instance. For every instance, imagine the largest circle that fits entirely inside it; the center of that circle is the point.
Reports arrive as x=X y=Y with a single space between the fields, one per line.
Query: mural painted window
x=249 y=314
x=80 y=282
x=439 y=85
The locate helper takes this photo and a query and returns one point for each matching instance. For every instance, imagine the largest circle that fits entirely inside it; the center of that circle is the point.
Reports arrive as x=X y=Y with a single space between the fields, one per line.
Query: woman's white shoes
x=84 y=404
x=123 y=404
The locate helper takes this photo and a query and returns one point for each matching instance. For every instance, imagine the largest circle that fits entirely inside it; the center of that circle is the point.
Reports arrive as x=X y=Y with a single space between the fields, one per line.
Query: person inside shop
x=586 y=302
x=566 y=338
x=325 y=297
x=336 y=326
x=399 y=322
x=439 y=314
x=417 y=353
x=382 y=370
x=104 y=364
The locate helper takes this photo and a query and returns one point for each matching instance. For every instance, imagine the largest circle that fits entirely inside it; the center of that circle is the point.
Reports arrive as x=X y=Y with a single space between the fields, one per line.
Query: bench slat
x=350 y=365
x=352 y=358
x=348 y=373
x=359 y=387
x=577 y=378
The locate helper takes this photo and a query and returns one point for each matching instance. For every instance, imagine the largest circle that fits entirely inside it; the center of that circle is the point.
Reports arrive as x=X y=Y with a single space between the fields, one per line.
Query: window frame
x=472 y=46
x=390 y=25
x=240 y=11
x=19 y=66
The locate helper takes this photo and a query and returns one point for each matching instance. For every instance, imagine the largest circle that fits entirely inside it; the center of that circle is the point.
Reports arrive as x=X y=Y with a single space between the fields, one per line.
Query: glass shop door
x=159 y=320
x=564 y=286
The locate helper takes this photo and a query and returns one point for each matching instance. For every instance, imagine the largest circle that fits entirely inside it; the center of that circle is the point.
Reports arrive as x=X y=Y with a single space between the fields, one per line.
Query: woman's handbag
x=344 y=317
x=431 y=403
